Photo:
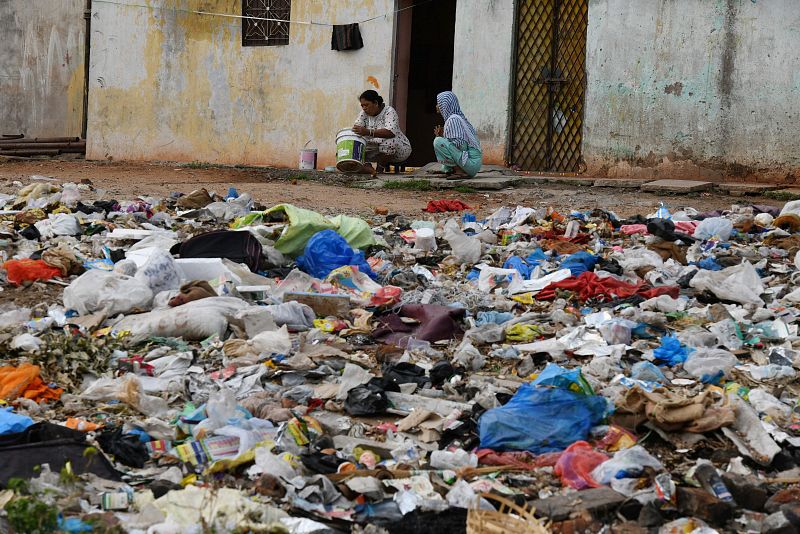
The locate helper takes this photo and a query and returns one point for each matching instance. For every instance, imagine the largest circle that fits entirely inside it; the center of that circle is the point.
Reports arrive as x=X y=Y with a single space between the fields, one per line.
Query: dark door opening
x=423 y=68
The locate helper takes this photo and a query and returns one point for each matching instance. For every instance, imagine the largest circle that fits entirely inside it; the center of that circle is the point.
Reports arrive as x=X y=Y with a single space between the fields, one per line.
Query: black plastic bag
x=126 y=448
x=441 y=371
x=406 y=373
x=368 y=399
x=22 y=453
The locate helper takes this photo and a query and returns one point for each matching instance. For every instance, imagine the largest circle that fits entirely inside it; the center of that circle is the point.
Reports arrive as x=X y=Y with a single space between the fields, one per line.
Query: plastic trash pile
x=203 y=363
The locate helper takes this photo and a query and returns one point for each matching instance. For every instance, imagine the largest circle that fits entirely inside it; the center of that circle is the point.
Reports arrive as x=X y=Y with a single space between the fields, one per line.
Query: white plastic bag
x=453 y=460
x=352 y=376
x=192 y=321
x=160 y=272
x=636 y=258
x=617 y=331
x=466 y=249
x=714 y=227
x=627 y=463
x=26 y=343
x=768 y=404
x=221 y=411
x=295 y=315
x=739 y=283
x=709 y=362
x=273 y=342
x=58 y=224
x=266 y=462
x=97 y=290
x=469 y=357
x=256 y=319
x=127 y=389
x=70 y=195
x=14 y=317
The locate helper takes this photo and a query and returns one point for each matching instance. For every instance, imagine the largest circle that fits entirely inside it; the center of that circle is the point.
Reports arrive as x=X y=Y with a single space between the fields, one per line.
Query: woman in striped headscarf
x=456 y=145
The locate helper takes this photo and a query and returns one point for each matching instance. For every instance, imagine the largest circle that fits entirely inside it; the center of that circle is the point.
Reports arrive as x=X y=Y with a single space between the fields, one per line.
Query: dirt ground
x=335 y=193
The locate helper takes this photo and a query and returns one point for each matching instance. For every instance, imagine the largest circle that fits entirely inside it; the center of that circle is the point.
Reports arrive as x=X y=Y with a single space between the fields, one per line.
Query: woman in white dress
x=380 y=126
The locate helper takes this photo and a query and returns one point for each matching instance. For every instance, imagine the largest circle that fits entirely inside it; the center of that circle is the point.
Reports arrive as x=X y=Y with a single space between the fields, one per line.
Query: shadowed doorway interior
x=423 y=68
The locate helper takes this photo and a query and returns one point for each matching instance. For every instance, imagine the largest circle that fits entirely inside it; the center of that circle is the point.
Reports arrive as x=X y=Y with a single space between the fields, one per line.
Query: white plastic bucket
x=425 y=239
x=350 y=151
x=308 y=159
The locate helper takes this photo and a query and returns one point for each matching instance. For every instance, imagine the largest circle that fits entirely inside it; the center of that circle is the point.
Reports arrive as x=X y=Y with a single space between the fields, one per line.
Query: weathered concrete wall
x=482 y=70
x=716 y=83
x=177 y=86
x=41 y=67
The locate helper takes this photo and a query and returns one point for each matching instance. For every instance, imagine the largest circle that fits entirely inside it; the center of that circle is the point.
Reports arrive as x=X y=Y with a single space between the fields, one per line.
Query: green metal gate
x=550 y=82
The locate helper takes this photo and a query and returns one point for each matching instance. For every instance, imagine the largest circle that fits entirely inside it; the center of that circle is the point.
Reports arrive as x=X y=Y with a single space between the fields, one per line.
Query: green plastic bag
x=303 y=224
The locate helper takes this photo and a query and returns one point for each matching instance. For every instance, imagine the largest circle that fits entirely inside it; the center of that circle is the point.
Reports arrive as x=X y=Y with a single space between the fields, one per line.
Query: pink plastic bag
x=576 y=465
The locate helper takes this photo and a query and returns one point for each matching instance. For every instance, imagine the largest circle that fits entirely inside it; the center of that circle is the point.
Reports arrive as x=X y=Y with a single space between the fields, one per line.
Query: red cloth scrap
x=589 y=286
x=442 y=206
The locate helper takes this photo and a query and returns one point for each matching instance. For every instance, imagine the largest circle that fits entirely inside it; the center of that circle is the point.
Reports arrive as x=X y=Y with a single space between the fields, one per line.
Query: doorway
x=423 y=69
x=550 y=85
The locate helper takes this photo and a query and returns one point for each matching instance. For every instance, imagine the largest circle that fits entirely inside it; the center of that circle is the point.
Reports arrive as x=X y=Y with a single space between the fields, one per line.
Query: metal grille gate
x=549 y=89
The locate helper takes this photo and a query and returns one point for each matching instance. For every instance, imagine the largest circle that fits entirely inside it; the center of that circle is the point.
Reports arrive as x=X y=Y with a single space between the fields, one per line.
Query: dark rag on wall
x=346 y=37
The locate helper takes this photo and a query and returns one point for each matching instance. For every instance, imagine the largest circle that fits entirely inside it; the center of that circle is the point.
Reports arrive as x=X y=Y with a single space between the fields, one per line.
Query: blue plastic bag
x=536 y=257
x=73 y=525
x=556 y=376
x=671 y=351
x=493 y=317
x=539 y=419
x=515 y=262
x=709 y=264
x=579 y=263
x=11 y=423
x=647 y=372
x=326 y=251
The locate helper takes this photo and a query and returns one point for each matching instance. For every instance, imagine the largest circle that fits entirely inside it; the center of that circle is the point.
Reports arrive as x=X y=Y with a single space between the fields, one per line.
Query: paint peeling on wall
x=711 y=82
x=179 y=86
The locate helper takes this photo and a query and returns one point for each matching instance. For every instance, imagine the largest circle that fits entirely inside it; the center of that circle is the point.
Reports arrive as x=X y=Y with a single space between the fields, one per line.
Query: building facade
x=609 y=87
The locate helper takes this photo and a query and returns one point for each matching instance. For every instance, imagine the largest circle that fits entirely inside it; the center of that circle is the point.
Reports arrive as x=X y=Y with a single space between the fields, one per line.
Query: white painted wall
x=482 y=69
x=41 y=67
x=715 y=82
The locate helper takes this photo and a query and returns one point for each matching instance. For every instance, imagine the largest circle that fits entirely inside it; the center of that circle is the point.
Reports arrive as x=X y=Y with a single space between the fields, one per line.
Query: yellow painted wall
x=171 y=85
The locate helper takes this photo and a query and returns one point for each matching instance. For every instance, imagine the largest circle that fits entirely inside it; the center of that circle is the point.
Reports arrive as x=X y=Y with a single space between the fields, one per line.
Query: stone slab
x=677 y=186
x=620 y=183
x=490 y=182
x=746 y=188
x=562 y=180
x=571 y=180
x=492 y=170
x=560 y=507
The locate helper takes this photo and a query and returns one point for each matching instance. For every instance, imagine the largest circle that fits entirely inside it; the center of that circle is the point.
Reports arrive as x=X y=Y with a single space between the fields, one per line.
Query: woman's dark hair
x=371 y=96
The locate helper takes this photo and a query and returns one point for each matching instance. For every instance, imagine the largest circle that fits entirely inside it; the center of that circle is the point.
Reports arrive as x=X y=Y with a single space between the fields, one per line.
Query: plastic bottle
x=706 y=474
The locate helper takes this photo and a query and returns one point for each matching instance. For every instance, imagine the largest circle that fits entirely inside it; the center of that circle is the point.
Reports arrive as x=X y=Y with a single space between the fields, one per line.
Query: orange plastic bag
x=20 y=271
x=81 y=425
x=24 y=381
x=575 y=465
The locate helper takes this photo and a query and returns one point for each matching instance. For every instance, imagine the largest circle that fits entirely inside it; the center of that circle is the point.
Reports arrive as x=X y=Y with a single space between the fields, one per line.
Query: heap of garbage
x=203 y=363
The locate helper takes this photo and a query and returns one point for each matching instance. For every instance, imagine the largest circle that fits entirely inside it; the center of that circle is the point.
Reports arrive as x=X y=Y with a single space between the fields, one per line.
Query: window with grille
x=257 y=32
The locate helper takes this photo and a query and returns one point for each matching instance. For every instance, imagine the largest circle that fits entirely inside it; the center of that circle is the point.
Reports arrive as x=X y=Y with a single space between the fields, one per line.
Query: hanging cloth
x=346 y=37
